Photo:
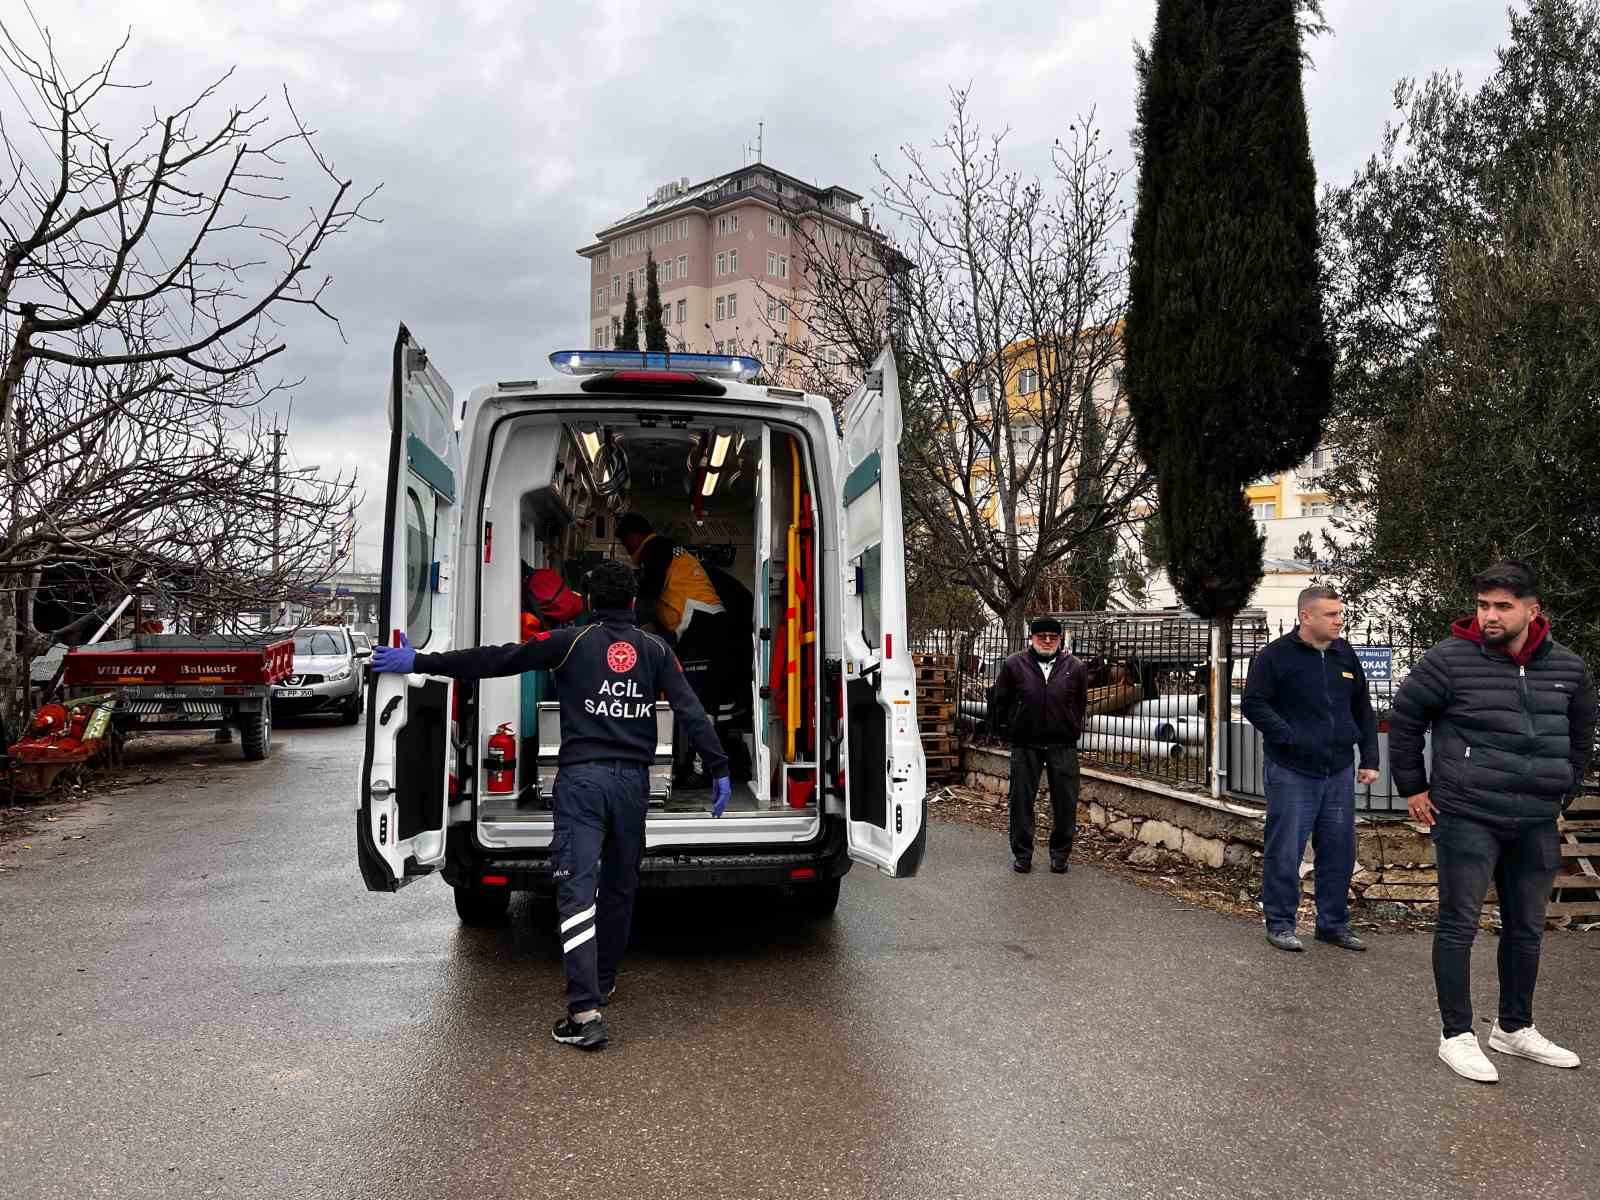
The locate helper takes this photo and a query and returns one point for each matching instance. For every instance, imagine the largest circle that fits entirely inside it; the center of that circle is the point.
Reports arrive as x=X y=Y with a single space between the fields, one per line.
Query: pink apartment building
x=729 y=260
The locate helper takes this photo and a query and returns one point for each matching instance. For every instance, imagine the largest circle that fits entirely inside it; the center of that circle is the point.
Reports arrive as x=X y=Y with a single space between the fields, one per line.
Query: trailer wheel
x=482 y=906
x=256 y=735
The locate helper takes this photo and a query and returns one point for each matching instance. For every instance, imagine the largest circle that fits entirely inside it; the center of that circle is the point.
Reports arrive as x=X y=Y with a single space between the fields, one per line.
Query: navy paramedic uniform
x=607 y=676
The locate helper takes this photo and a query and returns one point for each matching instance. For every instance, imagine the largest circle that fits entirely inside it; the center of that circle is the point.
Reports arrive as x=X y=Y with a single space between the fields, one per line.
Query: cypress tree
x=655 y=333
x=628 y=337
x=1228 y=362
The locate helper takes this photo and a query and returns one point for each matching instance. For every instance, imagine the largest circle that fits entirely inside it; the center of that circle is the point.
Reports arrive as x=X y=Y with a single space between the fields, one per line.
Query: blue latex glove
x=721 y=793
x=398 y=660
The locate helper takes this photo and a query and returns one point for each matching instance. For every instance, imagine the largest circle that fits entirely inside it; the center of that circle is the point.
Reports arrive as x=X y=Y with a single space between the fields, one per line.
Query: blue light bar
x=739 y=367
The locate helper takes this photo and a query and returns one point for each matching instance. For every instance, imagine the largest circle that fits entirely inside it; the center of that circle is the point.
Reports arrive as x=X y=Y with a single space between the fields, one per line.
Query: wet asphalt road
x=198 y=999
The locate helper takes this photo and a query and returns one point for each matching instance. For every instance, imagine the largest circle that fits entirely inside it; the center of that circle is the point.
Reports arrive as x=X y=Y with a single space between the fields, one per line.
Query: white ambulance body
x=532 y=473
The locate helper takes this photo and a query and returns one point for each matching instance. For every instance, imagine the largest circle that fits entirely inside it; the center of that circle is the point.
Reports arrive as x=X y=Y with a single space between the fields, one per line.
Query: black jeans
x=1060 y=764
x=1522 y=863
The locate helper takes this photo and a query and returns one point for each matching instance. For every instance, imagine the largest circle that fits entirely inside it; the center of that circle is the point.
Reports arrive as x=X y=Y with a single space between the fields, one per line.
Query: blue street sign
x=1377 y=662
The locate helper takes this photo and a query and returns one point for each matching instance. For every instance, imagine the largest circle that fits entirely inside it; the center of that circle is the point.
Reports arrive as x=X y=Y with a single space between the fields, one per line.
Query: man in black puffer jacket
x=1513 y=716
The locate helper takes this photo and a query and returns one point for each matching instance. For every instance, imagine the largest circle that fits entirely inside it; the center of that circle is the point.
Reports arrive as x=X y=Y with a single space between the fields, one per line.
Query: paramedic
x=607 y=675
x=676 y=594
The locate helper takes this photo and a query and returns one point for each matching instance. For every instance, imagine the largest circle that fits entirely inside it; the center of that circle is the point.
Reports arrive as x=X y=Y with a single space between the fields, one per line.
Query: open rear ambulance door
x=885 y=776
x=400 y=825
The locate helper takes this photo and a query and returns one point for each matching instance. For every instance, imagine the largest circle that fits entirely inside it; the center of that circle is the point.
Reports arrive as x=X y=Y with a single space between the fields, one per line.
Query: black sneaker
x=1022 y=865
x=1286 y=939
x=585 y=1035
x=1058 y=864
x=1342 y=938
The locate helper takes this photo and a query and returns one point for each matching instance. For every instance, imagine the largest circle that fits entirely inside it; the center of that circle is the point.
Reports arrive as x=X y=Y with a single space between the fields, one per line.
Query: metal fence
x=1149 y=680
x=1387 y=654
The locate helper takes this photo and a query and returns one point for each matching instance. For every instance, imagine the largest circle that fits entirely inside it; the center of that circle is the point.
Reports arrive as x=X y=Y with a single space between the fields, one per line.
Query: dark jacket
x=607 y=676
x=1511 y=740
x=1037 y=712
x=1311 y=705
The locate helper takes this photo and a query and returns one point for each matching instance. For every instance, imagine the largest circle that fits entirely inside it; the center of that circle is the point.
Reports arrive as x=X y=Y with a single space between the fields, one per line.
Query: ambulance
x=797 y=506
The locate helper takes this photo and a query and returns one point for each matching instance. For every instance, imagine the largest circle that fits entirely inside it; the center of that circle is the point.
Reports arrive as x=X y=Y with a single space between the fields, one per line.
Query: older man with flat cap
x=1040 y=696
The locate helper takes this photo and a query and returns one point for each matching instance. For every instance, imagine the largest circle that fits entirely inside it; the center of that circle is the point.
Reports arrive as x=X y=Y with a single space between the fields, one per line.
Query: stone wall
x=1394 y=863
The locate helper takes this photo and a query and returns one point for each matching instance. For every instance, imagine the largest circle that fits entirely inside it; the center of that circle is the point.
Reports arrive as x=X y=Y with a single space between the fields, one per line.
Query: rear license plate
x=292 y=693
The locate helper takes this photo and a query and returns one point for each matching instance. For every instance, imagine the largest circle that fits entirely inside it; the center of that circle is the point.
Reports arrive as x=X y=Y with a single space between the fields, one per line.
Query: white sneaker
x=1530 y=1043
x=1463 y=1056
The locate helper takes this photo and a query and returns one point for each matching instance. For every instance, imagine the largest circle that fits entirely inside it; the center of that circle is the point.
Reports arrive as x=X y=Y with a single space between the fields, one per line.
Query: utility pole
x=277 y=509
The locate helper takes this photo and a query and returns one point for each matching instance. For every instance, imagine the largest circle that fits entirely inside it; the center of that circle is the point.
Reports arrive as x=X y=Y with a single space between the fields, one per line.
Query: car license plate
x=292 y=693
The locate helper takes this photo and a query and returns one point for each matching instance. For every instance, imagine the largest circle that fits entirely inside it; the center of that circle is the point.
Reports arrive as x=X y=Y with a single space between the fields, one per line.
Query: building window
x=683 y=311
x=1264 y=510
x=772 y=262
x=772 y=308
x=599 y=297
x=720 y=346
x=722 y=309
x=664 y=271
x=630 y=281
x=733 y=305
x=598 y=337
x=722 y=263
x=616 y=328
x=773 y=355
x=733 y=262
x=616 y=287
x=1315 y=508
x=727 y=223
x=683 y=266
x=1028 y=381
x=777 y=226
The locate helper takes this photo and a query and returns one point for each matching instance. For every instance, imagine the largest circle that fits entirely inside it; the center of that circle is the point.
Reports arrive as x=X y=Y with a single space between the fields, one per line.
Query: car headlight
x=341 y=673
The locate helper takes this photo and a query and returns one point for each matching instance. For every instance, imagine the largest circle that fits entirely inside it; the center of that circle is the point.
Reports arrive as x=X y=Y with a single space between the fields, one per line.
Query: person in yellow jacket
x=677 y=597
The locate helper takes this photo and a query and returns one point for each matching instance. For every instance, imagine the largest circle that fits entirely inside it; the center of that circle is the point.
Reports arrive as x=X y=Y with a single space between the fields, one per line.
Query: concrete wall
x=1394 y=862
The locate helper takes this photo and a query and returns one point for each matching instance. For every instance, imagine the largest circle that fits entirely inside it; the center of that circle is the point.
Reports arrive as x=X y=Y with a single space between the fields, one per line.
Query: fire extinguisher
x=500 y=761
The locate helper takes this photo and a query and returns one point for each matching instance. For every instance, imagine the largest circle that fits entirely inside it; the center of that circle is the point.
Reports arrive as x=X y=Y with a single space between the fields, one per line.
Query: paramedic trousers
x=1060 y=765
x=599 y=839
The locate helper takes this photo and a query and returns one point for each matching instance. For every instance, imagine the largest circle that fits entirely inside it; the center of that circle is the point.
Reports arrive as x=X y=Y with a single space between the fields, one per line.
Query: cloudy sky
x=506 y=132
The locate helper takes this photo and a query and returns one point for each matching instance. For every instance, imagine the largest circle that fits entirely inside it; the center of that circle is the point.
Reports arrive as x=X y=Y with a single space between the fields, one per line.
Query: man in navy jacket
x=1307 y=695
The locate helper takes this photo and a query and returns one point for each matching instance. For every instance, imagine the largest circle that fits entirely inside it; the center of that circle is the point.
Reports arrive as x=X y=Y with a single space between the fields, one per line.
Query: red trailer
x=170 y=681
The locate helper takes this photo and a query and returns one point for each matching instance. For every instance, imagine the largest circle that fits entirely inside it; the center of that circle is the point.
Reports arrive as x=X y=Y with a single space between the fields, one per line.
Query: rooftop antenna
x=761 y=127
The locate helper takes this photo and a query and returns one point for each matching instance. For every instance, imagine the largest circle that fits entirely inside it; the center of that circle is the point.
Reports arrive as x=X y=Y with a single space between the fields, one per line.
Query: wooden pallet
x=1576 y=893
x=946 y=661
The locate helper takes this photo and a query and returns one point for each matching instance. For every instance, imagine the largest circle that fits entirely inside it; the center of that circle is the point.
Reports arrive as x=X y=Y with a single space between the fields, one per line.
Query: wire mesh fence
x=1149 y=679
x=1387 y=654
